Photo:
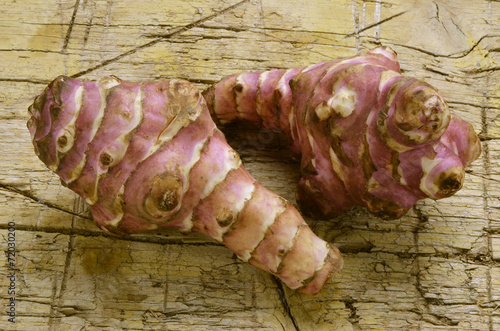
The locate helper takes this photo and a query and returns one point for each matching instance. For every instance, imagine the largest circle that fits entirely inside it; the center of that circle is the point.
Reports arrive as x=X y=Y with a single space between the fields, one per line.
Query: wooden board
x=435 y=269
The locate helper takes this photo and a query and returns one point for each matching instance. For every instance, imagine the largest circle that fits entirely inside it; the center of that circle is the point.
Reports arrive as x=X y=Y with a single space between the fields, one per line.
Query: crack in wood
x=160 y=39
x=378 y=16
x=356 y=25
x=458 y=55
x=482 y=70
x=70 y=27
x=207 y=27
x=24 y=80
x=166 y=283
x=353 y=311
x=151 y=238
x=55 y=314
x=144 y=238
x=370 y=26
x=30 y=196
x=285 y=303
x=487 y=167
x=88 y=26
x=416 y=262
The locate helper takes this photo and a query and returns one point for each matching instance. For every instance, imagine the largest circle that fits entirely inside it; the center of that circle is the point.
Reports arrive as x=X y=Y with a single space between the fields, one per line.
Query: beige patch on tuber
x=336 y=164
x=232 y=161
x=387 y=52
x=109 y=82
x=342 y=103
x=386 y=77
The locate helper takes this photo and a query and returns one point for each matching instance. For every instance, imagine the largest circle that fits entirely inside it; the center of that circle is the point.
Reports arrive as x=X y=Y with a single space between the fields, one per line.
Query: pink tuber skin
x=148 y=155
x=366 y=134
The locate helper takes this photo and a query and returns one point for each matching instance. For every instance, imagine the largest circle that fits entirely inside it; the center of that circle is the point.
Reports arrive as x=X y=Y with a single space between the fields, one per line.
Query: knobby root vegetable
x=366 y=134
x=148 y=155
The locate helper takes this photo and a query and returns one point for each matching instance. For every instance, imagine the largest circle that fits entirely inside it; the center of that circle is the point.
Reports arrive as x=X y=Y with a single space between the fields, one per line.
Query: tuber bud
x=365 y=134
x=148 y=155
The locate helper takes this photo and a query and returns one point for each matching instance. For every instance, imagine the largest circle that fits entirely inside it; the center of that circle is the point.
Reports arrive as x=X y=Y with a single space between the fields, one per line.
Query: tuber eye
x=450 y=186
x=440 y=179
x=65 y=141
x=106 y=159
x=168 y=201
x=164 y=195
x=62 y=141
x=224 y=217
x=180 y=88
x=238 y=88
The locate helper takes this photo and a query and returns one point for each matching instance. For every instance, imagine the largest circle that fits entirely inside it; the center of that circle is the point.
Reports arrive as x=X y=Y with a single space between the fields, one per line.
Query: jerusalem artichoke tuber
x=366 y=135
x=147 y=156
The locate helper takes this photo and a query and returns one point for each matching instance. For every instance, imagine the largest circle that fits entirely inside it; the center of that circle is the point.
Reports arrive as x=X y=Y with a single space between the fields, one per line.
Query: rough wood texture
x=435 y=269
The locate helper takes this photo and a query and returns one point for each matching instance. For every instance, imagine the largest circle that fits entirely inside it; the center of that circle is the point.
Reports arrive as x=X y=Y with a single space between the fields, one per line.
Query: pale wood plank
x=434 y=269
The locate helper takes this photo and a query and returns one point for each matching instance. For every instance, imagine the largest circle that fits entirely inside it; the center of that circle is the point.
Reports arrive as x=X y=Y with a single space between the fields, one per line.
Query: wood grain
x=435 y=269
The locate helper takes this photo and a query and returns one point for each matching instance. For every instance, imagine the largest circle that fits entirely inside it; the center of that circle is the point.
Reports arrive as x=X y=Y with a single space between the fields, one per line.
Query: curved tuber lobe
x=366 y=135
x=148 y=155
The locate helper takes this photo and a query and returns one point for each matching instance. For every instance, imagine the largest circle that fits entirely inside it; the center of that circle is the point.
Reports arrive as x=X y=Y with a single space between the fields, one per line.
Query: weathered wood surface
x=435 y=269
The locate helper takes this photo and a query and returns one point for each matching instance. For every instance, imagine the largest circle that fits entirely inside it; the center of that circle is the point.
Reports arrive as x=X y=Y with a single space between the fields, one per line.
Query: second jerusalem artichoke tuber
x=366 y=135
